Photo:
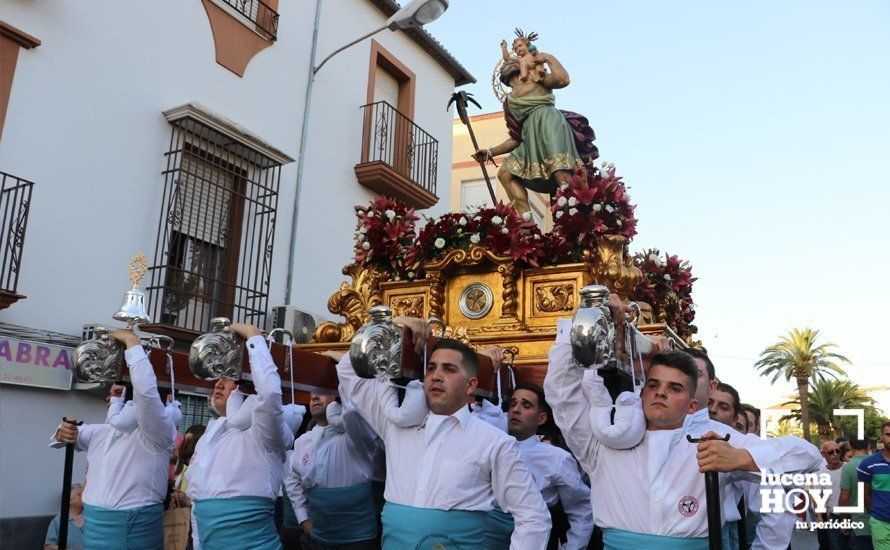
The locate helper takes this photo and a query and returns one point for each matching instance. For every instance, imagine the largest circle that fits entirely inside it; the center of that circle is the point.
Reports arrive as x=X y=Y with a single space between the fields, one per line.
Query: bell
x=132 y=311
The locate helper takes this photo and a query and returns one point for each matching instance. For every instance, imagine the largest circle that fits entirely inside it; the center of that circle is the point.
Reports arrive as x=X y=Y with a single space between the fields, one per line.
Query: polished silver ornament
x=593 y=331
x=100 y=359
x=376 y=349
x=218 y=353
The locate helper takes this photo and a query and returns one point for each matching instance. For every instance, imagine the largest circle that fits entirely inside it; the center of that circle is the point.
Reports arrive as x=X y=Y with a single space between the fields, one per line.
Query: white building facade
x=174 y=128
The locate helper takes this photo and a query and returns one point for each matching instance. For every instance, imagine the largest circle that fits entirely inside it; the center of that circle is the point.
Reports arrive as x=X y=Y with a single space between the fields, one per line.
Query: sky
x=755 y=140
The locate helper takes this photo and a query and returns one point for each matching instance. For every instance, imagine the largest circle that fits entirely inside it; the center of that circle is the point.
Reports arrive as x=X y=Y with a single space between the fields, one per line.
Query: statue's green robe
x=548 y=144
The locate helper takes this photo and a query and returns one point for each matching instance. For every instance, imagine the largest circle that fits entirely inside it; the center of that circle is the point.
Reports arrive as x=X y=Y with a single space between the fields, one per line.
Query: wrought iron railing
x=216 y=230
x=393 y=138
x=259 y=13
x=15 y=205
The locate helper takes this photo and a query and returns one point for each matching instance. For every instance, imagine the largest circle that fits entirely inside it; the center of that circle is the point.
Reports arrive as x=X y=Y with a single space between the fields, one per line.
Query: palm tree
x=785 y=426
x=824 y=396
x=796 y=355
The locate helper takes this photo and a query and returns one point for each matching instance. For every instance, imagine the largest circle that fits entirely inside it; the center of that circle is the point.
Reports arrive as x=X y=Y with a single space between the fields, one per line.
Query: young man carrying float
x=664 y=471
x=554 y=471
x=329 y=478
x=126 y=482
x=236 y=472
x=442 y=476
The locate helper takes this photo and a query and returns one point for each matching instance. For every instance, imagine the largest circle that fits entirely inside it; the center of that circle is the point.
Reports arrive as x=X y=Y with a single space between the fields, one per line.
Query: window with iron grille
x=217 y=225
x=195 y=410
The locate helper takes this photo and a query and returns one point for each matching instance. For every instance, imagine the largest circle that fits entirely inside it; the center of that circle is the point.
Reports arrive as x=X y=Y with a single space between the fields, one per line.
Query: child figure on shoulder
x=526 y=55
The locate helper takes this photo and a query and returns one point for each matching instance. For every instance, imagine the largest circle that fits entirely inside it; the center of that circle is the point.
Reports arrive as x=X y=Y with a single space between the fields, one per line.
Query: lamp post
x=415 y=14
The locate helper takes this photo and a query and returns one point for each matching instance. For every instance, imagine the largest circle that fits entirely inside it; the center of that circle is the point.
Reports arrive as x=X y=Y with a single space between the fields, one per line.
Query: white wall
x=85 y=123
x=329 y=191
x=30 y=471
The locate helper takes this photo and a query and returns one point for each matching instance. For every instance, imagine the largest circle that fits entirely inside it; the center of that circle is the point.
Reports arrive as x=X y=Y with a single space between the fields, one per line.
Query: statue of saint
x=546 y=145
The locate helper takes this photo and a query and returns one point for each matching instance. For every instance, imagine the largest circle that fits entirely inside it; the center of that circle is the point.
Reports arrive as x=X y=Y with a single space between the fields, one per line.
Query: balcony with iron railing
x=399 y=159
x=259 y=13
x=15 y=205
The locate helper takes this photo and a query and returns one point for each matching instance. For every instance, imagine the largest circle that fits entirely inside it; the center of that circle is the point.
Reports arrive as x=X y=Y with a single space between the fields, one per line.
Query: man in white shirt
x=126 y=482
x=554 y=471
x=443 y=475
x=654 y=493
x=715 y=403
x=328 y=479
x=235 y=474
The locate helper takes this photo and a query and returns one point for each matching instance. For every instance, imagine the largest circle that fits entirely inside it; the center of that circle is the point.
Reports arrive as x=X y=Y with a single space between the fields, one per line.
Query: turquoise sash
x=730 y=534
x=410 y=528
x=246 y=523
x=343 y=515
x=138 y=528
x=616 y=539
x=498 y=530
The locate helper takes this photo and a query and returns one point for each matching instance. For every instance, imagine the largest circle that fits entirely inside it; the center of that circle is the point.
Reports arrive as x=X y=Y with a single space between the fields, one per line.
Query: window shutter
x=204 y=195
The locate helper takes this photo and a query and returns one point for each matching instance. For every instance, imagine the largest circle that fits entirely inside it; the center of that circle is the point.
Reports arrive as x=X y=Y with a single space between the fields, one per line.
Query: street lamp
x=413 y=15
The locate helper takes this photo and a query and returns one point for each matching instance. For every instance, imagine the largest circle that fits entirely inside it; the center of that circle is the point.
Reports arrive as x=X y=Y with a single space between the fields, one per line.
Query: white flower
x=497 y=220
x=597 y=207
x=667 y=277
x=474 y=238
x=573 y=201
x=390 y=214
x=527 y=216
x=561 y=201
x=363 y=229
x=609 y=208
x=573 y=211
x=360 y=237
x=477 y=218
x=366 y=245
x=360 y=212
x=440 y=242
x=537 y=237
x=398 y=278
x=618 y=222
x=558 y=214
x=505 y=231
x=462 y=221
x=653 y=258
x=410 y=274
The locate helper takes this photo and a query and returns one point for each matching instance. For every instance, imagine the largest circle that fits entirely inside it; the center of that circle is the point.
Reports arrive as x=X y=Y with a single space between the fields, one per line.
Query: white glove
x=413 y=409
x=293 y=416
x=240 y=415
x=121 y=415
x=490 y=413
x=334 y=414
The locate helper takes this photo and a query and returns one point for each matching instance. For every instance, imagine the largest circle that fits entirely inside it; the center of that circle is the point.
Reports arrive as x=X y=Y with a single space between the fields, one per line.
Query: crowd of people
x=574 y=464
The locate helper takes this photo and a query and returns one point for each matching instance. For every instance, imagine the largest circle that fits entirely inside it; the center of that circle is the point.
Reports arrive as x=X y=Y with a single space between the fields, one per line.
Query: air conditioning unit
x=300 y=323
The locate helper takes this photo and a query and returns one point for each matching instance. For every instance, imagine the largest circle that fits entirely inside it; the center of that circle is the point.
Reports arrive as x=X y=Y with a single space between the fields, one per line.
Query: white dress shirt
x=454 y=462
x=234 y=462
x=130 y=469
x=555 y=473
x=654 y=488
x=329 y=457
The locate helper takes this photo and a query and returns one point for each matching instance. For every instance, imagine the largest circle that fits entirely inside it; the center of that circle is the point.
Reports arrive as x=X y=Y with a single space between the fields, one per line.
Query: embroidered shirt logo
x=688 y=506
x=305 y=459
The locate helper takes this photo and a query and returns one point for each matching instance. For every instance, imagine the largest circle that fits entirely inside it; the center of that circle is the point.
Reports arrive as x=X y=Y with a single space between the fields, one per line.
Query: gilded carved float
x=487 y=299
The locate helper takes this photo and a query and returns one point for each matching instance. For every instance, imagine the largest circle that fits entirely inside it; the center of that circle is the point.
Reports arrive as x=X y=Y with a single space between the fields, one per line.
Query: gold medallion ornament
x=138 y=267
x=476 y=301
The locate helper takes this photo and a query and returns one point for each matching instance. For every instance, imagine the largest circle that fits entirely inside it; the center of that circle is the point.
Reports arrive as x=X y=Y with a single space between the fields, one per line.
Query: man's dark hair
x=508 y=72
x=751 y=408
x=469 y=361
x=681 y=361
x=885 y=425
x=703 y=355
x=736 y=400
x=537 y=390
x=859 y=444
